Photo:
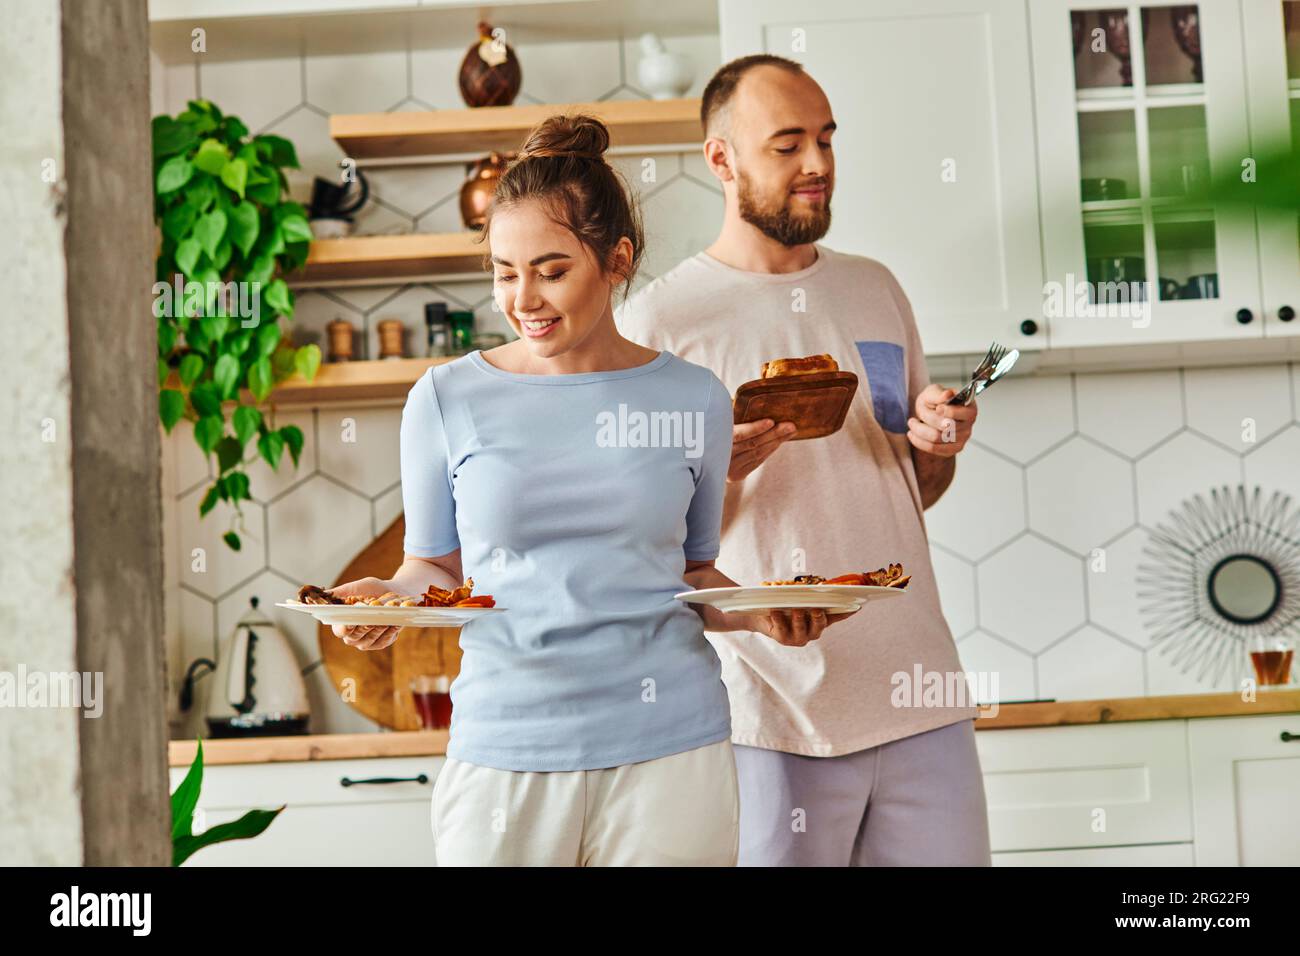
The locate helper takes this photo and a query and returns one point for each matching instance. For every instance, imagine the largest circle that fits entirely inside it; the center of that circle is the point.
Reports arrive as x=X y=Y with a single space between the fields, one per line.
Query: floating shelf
x=355 y=381
x=439 y=132
x=390 y=258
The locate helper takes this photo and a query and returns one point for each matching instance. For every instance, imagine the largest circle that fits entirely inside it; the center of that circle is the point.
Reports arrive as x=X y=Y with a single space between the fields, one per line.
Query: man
x=845 y=754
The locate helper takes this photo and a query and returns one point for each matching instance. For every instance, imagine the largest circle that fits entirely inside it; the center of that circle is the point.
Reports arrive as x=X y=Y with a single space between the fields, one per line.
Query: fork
x=982 y=372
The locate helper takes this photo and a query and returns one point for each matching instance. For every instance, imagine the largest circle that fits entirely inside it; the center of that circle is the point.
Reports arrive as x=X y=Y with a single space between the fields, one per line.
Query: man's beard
x=777 y=221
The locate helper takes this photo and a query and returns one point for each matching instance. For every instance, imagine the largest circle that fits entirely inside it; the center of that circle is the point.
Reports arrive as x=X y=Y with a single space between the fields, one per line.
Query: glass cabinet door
x=1139 y=106
x=1272 y=43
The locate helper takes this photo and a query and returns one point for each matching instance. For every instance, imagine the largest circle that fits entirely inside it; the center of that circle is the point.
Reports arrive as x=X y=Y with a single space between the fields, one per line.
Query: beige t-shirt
x=847 y=502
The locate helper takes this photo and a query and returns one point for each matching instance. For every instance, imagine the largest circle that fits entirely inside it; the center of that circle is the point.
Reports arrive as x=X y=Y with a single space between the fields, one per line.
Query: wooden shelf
x=440 y=132
x=355 y=381
x=379 y=258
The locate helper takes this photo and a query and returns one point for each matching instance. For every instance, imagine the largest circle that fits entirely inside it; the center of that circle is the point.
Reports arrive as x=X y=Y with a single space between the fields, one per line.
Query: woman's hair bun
x=578 y=136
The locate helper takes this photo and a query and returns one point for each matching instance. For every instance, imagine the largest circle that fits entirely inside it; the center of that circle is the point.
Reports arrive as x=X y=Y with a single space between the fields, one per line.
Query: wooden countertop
x=1008 y=716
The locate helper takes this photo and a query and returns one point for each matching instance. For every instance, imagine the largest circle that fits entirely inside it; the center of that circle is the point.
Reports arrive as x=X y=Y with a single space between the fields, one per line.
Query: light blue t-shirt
x=576 y=500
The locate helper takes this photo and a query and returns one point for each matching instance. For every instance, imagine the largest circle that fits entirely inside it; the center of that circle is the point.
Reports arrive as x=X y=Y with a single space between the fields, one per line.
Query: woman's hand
x=365 y=637
x=794 y=627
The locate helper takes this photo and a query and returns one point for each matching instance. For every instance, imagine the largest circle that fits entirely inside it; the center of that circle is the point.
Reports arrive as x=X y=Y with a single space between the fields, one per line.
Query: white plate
x=330 y=614
x=834 y=598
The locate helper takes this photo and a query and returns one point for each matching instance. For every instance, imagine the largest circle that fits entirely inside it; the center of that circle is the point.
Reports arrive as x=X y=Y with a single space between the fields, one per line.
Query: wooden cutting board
x=377 y=683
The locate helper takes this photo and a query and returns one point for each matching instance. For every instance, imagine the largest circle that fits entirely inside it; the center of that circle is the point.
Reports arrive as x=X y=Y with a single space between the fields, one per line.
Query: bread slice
x=799 y=366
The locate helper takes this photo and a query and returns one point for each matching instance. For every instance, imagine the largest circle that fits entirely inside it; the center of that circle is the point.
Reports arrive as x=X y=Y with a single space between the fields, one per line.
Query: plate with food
x=846 y=592
x=436 y=607
x=812 y=392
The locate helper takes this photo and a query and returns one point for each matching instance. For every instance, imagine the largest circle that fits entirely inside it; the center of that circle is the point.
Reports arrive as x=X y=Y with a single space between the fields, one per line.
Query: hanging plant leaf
x=171 y=406
x=244 y=224
x=174 y=174
x=279 y=298
x=226 y=375
x=293 y=438
x=259 y=379
x=271 y=446
x=190 y=368
x=232 y=540
x=208 y=431
x=212 y=156
x=246 y=421
x=210 y=230
x=235 y=175
x=307 y=360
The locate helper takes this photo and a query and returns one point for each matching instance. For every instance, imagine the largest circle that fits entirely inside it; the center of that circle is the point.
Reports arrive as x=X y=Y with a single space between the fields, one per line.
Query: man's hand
x=938 y=428
x=753 y=443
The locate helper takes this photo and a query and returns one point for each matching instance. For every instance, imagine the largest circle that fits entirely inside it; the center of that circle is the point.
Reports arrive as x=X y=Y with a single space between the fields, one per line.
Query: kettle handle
x=239 y=685
x=361 y=200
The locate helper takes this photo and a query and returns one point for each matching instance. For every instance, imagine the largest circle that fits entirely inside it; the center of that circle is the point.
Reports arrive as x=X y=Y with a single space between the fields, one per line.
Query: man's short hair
x=720 y=89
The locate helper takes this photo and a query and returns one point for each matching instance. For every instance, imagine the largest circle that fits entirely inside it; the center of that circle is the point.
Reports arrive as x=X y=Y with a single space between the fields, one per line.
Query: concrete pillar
x=80 y=509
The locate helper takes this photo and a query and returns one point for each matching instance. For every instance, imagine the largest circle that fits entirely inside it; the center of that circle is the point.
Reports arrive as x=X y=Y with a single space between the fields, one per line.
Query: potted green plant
x=184 y=842
x=228 y=231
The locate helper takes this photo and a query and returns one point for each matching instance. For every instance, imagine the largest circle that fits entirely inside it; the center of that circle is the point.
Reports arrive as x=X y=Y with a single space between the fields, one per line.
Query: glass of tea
x=1271 y=657
x=432 y=695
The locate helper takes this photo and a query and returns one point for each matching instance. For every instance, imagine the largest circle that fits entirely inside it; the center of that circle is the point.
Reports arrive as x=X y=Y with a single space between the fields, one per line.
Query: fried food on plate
x=799 y=366
x=891 y=577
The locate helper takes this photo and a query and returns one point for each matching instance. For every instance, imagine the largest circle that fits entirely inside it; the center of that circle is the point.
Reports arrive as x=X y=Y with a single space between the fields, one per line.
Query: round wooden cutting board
x=377 y=683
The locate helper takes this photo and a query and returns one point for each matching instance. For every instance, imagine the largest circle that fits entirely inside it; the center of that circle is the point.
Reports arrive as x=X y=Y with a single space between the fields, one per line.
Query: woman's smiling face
x=548 y=284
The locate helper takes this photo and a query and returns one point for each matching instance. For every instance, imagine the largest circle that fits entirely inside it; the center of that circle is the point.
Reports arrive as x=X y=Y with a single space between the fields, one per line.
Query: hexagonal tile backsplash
x=1059 y=466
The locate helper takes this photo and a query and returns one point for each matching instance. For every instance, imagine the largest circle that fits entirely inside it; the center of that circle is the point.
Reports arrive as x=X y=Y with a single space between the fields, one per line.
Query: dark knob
x=1029 y=327
x=1286 y=313
x=1245 y=316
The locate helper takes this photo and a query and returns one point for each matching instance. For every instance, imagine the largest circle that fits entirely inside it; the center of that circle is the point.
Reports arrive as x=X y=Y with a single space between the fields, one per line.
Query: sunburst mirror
x=1220 y=578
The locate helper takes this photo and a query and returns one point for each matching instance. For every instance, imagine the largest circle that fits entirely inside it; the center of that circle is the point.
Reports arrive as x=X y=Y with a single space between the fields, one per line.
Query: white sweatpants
x=679 y=810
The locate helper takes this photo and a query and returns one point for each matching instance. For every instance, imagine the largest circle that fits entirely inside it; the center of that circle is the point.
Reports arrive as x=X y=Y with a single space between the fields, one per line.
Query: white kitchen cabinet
x=933 y=149
x=1129 y=135
x=1271 y=30
x=1246 y=780
x=1054 y=788
x=324 y=823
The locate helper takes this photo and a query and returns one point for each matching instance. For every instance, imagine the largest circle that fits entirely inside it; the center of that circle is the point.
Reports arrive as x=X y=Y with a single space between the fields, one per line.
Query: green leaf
x=163 y=371
x=296 y=229
x=214 y=327
x=190 y=369
x=268 y=337
x=202 y=193
x=279 y=298
x=178 y=220
x=232 y=542
x=210 y=279
x=171 y=405
x=166 y=337
x=246 y=827
x=235 y=129
x=226 y=374
x=187 y=256
x=244 y=224
x=271 y=242
x=207 y=432
x=307 y=360
x=246 y=421
x=237 y=484
x=235 y=174
x=212 y=156
x=239 y=342
x=174 y=174
x=210 y=499
x=229 y=451
x=222 y=257
x=210 y=230
x=206 y=399
x=260 y=271
x=186 y=798
x=259 y=379
x=170 y=137
x=281 y=151
x=292 y=436
x=268 y=194
x=271 y=446
x=282 y=360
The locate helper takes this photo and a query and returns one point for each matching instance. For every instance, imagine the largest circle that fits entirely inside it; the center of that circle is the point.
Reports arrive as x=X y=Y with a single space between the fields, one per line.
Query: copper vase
x=476 y=193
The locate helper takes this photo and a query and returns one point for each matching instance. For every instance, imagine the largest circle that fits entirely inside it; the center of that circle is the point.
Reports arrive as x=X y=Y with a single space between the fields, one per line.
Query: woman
x=578 y=478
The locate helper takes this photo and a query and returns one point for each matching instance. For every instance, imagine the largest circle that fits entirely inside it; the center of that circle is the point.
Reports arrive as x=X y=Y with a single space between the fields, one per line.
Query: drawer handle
x=422 y=778
x=1287 y=736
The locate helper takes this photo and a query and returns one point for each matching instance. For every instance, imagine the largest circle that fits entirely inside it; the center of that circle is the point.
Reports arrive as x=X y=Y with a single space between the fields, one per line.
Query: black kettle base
x=257 y=726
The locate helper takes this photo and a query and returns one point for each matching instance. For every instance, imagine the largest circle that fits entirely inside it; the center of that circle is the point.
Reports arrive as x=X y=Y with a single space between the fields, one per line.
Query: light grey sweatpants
x=918 y=801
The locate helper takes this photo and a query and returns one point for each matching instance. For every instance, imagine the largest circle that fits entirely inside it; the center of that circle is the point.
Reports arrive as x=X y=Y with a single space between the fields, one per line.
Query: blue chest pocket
x=883 y=363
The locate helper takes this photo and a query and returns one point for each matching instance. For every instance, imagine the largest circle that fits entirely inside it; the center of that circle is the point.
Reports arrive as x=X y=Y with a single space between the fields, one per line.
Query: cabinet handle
x=422 y=778
x=1287 y=736
x=1245 y=316
x=1028 y=327
x=1286 y=313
